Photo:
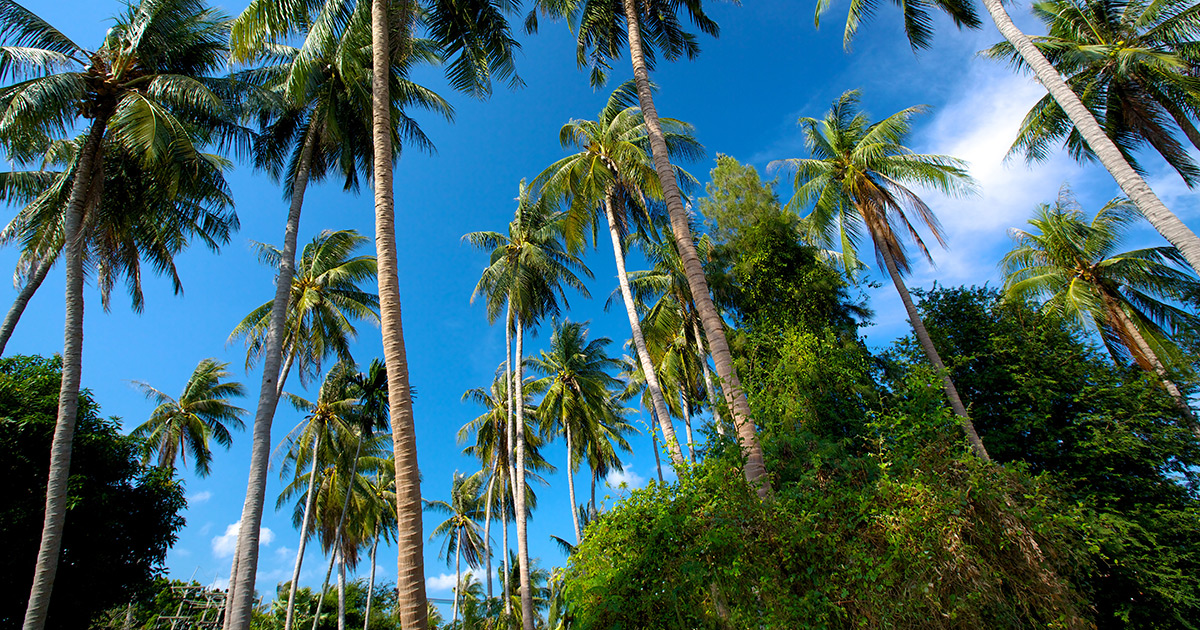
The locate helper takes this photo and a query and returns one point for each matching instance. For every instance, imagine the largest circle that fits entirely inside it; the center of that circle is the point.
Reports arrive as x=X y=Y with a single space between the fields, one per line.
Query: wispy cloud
x=199 y=497
x=224 y=545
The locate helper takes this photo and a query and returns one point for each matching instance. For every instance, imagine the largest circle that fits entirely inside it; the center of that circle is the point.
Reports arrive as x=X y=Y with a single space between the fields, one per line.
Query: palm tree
x=329 y=419
x=1131 y=64
x=600 y=38
x=529 y=269
x=142 y=213
x=153 y=65
x=613 y=173
x=918 y=26
x=579 y=392
x=316 y=127
x=202 y=412
x=492 y=448
x=855 y=179
x=382 y=493
x=325 y=298
x=460 y=530
x=1072 y=266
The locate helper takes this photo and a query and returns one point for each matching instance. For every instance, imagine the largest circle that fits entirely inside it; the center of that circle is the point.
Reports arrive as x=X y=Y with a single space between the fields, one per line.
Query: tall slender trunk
x=1132 y=184
x=283 y=373
x=571 y=480
x=755 y=469
x=341 y=586
x=931 y=353
x=410 y=541
x=519 y=495
x=592 y=505
x=709 y=388
x=228 y=607
x=90 y=163
x=639 y=340
x=371 y=581
x=686 y=406
x=505 y=569
x=1149 y=360
x=40 y=269
x=487 y=527
x=325 y=586
x=457 y=574
x=241 y=585
x=657 y=459
x=310 y=496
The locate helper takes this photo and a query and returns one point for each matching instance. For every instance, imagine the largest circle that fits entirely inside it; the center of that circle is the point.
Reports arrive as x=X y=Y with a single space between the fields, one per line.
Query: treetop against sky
x=743 y=94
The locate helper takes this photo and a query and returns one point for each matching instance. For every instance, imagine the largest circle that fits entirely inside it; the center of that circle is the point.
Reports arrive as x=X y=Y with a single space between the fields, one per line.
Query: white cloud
x=284 y=552
x=219 y=583
x=626 y=478
x=445 y=581
x=224 y=545
x=199 y=497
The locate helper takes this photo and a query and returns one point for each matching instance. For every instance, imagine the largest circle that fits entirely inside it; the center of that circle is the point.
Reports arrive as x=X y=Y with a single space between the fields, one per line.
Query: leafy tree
x=121 y=517
x=857 y=179
x=185 y=424
x=1130 y=62
x=1113 y=444
x=653 y=27
x=148 y=88
x=1073 y=267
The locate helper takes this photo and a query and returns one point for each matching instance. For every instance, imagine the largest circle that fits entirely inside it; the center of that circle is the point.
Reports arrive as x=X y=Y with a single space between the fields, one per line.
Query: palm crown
x=1131 y=63
x=203 y=412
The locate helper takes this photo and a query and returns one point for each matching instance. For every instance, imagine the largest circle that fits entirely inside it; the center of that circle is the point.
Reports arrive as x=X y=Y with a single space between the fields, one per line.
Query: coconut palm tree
x=461 y=530
x=1131 y=64
x=382 y=505
x=528 y=274
x=492 y=448
x=600 y=38
x=613 y=173
x=856 y=179
x=154 y=65
x=329 y=420
x=326 y=297
x=202 y=413
x=142 y=213
x=1089 y=130
x=1073 y=267
x=316 y=127
x=579 y=392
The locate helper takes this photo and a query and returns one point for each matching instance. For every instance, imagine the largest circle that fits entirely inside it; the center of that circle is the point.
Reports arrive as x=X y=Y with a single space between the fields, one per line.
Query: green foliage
x=1115 y=445
x=121 y=516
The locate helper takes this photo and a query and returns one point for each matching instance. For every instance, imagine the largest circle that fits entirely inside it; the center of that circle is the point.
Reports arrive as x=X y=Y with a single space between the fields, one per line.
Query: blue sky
x=743 y=94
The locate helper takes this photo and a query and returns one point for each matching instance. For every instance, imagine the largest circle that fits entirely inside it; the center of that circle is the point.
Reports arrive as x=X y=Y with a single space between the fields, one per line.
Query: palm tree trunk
x=1132 y=184
x=755 y=469
x=519 y=495
x=487 y=527
x=571 y=481
x=90 y=161
x=639 y=340
x=457 y=573
x=341 y=592
x=228 y=609
x=325 y=586
x=592 y=505
x=283 y=373
x=35 y=279
x=504 y=568
x=290 y=615
x=241 y=585
x=709 y=388
x=686 y=407
x=1149 y=359
x=657 y=459
x=931 y=352
x=410 y=541
x=371 y=581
